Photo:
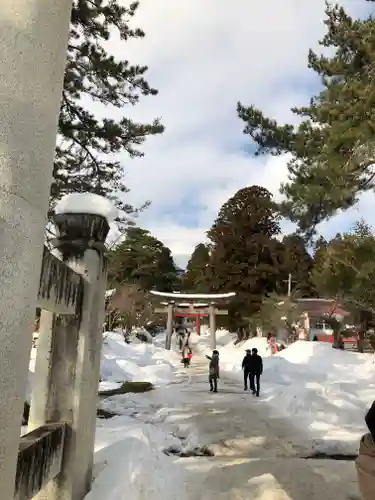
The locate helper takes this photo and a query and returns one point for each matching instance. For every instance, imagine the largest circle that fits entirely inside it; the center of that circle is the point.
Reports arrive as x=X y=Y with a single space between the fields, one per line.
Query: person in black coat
x=246 y=366
x=256 y=370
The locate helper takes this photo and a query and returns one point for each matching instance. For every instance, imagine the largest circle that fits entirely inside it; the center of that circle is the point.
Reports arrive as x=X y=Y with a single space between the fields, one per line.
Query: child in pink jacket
x=365 y=463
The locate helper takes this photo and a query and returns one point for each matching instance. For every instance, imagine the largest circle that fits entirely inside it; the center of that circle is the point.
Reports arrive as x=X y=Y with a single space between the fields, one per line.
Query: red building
x=316 y=313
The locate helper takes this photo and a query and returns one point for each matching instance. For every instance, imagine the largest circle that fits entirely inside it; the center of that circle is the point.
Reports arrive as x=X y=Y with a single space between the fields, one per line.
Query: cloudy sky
x=203 y=57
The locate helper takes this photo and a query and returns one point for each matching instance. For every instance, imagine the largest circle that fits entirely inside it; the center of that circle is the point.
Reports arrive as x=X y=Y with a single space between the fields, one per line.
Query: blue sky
x=203 y=60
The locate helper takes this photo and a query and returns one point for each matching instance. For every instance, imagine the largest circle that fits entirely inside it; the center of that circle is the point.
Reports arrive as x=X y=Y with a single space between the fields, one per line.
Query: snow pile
x=198 y=296
x=203 y=341
x=131 y=465
x=325 y=391
x=225 y=337
x=86 y=203
x=135 y=362
x=232 y=355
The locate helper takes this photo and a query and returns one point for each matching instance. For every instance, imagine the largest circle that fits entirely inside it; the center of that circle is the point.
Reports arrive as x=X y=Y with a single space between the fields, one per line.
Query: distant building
x=315 y=313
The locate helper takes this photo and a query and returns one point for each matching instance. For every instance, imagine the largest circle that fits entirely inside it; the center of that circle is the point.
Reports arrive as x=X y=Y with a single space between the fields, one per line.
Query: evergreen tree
x=345 y=270
x=88 y=142
x=320 y=245
x=245 y=257
x=332 y=147
x=345 y=267
x=195 y=277
x=299 y=263
x=143 y=260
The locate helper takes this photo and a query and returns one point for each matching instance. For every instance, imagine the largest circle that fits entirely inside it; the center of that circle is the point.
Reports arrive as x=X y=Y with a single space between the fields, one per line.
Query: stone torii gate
x=33 y=48
x=190 y=310
x=190 y=307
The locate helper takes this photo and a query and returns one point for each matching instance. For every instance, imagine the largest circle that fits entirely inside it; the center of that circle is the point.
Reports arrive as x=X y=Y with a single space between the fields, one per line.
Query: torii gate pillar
x=198 y=325
x=212 y=315
x=33 y=48
x=212 y=311
x=168 y=337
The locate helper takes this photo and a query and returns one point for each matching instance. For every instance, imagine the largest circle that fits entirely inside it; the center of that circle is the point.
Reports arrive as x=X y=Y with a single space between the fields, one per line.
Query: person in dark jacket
x=181 y=331
x=246 y=366
x=256 y=370
x=214 y=371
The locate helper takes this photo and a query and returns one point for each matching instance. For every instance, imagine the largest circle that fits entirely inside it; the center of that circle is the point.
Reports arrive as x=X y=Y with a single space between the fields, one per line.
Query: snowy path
x=256 y=457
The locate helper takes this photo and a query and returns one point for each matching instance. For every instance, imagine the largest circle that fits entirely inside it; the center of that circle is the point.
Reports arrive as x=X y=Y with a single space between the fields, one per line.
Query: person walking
x=186 y=355
x=246 y=366
x=256 y=370
x=214 y=370
x=181 y=336
x=190 y=355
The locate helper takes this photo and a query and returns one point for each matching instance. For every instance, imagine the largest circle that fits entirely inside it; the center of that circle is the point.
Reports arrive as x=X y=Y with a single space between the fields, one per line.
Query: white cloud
x=203 y=58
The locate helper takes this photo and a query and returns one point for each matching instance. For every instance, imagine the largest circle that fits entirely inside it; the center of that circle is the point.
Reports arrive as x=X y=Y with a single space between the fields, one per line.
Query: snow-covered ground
x=130 y=463
x=325 y=392
x=322 y=391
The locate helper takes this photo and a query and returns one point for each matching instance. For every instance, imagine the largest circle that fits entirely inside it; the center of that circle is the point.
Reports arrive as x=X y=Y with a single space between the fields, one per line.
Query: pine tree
x=345 y=269
x=195 y=277
x=299 y=263
x=143 y=260
x=332 y=148
x=89 y=141
x=245 y=257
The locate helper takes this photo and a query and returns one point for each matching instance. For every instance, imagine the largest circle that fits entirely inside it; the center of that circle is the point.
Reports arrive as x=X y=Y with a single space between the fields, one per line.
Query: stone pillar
x=88 y=372
x=306 y=325
x=198 y=325
x=168 y=337
x=39 y=410
x=212 y=315
x=33 y=44
x=82 y=237
x=53 y=389
x=75 y=368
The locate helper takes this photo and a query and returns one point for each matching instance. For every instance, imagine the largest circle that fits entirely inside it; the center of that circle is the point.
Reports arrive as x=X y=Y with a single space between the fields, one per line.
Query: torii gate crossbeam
x=192 y=309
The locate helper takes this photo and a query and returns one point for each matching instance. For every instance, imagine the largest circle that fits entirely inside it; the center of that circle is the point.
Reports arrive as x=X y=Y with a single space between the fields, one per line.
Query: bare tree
x=130 y=306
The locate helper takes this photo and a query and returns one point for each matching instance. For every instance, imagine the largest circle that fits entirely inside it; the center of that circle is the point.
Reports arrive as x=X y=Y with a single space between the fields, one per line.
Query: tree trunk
x=361 y=341
x=336 y=335
x=240 y=334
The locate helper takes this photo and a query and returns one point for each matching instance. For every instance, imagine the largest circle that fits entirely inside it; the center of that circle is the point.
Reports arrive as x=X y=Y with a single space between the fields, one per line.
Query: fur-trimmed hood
x=365 y=465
